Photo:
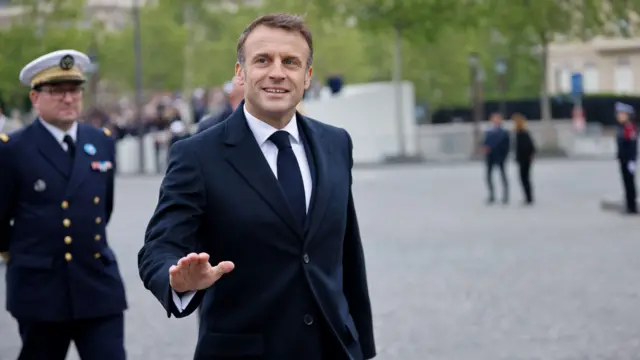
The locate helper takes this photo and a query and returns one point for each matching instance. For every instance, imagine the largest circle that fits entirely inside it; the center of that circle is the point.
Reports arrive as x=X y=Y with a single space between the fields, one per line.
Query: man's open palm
x=193 y=272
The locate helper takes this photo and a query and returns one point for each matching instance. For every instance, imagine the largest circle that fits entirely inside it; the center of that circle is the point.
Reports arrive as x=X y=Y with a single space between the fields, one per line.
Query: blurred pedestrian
x=234 y=94
x=627 y=140
x=525 y=150
x=496 y=149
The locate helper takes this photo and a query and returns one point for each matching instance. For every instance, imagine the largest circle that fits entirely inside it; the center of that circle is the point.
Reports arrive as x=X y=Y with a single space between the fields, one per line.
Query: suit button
x=96 y=255
x=308 y=319
x=66 y=222
x=96 y=200
x=67 y=240
x=305 y=258
x=98 y=220
x=65 y=205
x=97 y=237
x=68 y=256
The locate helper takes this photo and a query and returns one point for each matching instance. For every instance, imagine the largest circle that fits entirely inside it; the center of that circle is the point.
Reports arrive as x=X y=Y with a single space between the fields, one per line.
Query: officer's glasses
x=59 y=93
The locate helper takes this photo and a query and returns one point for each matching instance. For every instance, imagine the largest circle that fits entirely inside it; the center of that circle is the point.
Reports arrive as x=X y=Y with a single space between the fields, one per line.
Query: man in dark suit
x=57 y=181
x=497 y=144
x=266 y=196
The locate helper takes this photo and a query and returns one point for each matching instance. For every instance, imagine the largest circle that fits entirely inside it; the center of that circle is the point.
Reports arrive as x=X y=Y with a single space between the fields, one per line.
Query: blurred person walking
x=627 y=140
x=496 y=149
x=525 y=150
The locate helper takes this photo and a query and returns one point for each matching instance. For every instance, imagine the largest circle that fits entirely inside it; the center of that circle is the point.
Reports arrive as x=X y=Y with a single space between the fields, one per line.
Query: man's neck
x=62 y=125
x=278 y=122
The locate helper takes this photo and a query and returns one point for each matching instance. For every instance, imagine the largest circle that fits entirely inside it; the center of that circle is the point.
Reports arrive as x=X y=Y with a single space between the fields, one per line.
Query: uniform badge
x=39 y=185
x=67 y=62
x=90 y=149
x=101 y=166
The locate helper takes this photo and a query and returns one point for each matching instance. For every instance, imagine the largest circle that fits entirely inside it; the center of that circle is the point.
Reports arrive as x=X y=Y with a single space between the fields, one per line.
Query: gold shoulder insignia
x=107 y=131
x=4 y=137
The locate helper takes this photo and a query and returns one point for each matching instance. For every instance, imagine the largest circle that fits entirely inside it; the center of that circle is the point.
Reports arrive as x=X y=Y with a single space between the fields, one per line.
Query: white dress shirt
x=59 y=134
x=261 y=132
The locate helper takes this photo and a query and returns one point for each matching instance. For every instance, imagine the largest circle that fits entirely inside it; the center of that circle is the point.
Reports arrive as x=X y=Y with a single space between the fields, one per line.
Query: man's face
x=496 y=119
x=61 y=103
x=275 y=73
x=622 y=116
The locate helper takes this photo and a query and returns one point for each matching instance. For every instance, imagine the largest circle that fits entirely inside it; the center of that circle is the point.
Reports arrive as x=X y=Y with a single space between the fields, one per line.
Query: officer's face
x=275 y=74
x=622 y=116
x=59 y=103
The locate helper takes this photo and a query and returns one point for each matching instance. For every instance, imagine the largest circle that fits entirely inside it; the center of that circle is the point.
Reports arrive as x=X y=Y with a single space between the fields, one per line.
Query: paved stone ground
x=451 y=279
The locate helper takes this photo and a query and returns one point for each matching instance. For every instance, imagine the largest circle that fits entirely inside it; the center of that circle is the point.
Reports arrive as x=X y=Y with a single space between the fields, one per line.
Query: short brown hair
x=282 y=21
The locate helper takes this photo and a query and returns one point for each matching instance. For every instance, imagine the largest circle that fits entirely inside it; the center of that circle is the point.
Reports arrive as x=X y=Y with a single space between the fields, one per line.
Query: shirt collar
x=262 y=131
x=59 y=134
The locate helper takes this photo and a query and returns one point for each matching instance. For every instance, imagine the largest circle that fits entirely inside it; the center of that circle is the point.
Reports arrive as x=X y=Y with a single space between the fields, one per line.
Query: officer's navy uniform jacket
x=296 y=293
x=627 y=139
x=53 y=216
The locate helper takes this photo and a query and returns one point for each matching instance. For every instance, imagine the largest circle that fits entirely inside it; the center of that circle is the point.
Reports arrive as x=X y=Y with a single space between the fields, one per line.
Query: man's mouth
x=275 y=90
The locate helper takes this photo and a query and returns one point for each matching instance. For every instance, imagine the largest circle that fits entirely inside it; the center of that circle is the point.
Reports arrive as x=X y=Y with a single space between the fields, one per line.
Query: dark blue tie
x=289 y=175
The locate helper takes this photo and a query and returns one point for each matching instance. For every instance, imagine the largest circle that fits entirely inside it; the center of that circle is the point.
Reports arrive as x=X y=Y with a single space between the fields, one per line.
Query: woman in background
x=525 y=150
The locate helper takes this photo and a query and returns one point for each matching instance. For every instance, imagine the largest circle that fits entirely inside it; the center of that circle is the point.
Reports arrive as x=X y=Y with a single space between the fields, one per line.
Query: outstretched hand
x=193 y=272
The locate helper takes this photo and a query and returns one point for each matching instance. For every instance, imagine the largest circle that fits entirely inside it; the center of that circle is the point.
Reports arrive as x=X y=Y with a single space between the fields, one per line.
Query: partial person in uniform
x=496 y=149
x=525 y=150
x=235 y=93
x=267 y=197
x=627 y=139
x=63 y=282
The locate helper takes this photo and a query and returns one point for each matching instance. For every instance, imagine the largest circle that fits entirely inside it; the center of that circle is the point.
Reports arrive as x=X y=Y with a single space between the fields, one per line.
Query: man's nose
x=276 y=72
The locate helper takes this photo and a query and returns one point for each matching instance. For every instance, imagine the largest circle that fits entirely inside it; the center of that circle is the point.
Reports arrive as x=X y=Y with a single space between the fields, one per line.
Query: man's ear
x=239 y=74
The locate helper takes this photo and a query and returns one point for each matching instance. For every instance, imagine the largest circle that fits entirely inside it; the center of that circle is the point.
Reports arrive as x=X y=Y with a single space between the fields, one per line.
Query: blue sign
x=576 y=84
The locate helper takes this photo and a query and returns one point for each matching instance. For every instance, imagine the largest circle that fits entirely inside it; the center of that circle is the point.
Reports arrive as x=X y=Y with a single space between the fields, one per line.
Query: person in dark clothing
x=525 y=150
x=627 y=139
x=496 y=149
x=235 y=94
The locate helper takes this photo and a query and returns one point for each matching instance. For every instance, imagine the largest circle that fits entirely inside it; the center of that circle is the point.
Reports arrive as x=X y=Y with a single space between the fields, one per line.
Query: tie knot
x=280 y=139
x=67 y=139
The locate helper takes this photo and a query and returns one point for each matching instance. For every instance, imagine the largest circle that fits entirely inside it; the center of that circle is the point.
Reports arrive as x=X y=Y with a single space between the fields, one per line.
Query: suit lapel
x=321 y=193
x=244 y=154
x=51 y=150
x=81 y=161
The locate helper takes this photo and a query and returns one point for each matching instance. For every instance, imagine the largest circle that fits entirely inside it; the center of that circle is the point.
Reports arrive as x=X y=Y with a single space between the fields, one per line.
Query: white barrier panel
x=368 y=113
x=127 y=155
x=128 y=158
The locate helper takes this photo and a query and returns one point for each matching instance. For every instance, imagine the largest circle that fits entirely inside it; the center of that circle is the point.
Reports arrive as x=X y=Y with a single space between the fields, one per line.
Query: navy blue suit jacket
x=53 y=217
x=220 y=196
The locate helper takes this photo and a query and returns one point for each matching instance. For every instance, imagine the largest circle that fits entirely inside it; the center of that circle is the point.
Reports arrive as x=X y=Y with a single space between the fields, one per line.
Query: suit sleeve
x=172 y=230
x=111 y=181
x=9 y=186
x=356 y=289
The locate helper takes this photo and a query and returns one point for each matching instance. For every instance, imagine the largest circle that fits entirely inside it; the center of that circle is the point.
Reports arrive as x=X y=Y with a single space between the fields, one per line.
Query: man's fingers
x=222 y=268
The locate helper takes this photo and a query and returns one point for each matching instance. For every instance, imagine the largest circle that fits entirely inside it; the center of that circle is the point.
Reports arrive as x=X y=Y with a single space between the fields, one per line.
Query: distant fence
x=440 y=142
x=449 y=142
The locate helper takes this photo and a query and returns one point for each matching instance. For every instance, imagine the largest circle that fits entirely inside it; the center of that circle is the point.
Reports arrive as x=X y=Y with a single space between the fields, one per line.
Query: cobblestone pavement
x=450 y=278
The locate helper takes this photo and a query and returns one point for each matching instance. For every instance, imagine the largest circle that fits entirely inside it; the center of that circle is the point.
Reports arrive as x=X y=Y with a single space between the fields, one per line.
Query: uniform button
x=96 y=255
x=65 y=205
x=305 y=258
x=66 y=222
x=96 y=200
x=68 y=256
x=97 y=237
x=67 y=240
x=98 y=220
x=308 y=319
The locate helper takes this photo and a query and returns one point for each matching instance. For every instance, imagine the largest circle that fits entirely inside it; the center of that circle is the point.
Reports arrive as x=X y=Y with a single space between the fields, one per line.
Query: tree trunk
x=550 y=143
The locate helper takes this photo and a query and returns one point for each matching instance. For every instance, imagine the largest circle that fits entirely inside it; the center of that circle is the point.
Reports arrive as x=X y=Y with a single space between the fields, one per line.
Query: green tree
x=57 y=26
x=537 y=23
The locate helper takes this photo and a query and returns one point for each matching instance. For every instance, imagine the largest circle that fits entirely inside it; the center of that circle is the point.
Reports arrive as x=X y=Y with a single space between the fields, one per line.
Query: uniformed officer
x=57 y=181
x=627 y=137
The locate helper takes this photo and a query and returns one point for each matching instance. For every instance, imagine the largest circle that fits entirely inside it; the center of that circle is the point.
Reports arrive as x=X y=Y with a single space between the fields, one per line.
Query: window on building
x=623 y=76
x=591 y=78
x=562 y=79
